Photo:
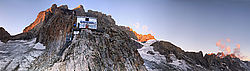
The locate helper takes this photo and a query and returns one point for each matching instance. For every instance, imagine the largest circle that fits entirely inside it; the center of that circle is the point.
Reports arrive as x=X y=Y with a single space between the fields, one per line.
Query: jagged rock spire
x=52 y=8
x=79 y=10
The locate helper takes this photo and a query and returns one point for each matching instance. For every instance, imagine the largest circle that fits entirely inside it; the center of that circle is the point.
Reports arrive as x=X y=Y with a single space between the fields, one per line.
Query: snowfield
x=151 y=60
x=157 y=57
x=19 y=54
x=179 y=63
x=39 y=46
x=154 y=61
x=1 y=43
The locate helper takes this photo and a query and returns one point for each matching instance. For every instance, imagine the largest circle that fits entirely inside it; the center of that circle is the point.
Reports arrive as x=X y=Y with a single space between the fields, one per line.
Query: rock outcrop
x=129 y=32
x=166 y=48
x=79 y=10
x=5 y=36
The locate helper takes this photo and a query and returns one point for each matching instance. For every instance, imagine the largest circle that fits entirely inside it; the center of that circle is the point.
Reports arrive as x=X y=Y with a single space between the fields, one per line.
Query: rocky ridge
x=167 y=56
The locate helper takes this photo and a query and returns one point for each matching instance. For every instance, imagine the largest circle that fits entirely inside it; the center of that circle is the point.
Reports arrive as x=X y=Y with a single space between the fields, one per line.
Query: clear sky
x=193 y=25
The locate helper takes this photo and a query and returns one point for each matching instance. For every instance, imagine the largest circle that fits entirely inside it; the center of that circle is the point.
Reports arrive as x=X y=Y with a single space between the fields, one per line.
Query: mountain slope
x=164 y=56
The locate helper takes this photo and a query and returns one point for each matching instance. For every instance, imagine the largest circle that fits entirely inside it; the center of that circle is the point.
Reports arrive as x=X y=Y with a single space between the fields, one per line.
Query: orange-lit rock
x=143 y=38
x=40 y=18
x=222 y=55
x=210 y=54
x=232 y=55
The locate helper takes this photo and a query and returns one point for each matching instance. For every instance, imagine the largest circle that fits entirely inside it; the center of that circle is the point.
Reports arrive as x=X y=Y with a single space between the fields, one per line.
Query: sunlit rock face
x=51 y=24
x=79 y=11
x=141 y=37
x=40 y=18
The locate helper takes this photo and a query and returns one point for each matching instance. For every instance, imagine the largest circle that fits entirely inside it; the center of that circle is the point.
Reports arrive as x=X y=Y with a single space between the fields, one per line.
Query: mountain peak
x=52 y=8
x=79 y=10
x=4 y=35
x=79 y=6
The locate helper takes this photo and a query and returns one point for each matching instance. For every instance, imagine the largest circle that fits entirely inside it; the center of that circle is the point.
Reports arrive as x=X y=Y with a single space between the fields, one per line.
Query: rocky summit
x=4 y=35
x=42 y=46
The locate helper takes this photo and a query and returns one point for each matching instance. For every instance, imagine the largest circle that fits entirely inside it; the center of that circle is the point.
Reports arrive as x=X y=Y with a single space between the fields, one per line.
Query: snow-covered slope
x=165 y=56
x=1 y=43
x=154 y=61
x=19 y=54
x=149 y=54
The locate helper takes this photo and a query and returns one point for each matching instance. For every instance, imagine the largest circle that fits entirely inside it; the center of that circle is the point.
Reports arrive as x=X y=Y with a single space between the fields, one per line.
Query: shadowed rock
x=5 y=36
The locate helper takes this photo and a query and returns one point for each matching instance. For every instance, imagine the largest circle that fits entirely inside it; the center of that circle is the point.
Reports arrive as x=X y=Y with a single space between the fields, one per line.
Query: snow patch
x=200 y=66
x=149 y=42
x=136 y=40
x=1 y=42
x=21 y=41
x=154 y=57
x=179 y=63
x=3 y=51
x=32 y=41
x=39 y=46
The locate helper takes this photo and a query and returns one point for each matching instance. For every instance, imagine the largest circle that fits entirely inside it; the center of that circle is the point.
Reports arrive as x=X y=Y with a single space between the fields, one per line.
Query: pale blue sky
x=193 y=25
